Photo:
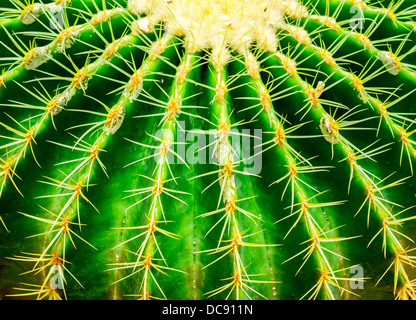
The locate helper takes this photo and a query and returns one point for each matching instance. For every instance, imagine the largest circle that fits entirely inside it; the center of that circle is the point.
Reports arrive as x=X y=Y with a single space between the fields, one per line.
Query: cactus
x=223 y=149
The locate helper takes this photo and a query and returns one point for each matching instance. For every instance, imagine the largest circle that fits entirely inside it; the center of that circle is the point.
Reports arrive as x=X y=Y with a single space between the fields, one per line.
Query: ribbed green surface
x=152 y=151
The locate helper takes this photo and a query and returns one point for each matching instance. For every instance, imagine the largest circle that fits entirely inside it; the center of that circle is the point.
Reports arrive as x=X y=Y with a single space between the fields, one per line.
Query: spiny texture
x=209 y=149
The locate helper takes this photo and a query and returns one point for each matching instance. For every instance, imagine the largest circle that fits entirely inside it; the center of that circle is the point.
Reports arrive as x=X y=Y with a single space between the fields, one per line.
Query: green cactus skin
x=119 y=173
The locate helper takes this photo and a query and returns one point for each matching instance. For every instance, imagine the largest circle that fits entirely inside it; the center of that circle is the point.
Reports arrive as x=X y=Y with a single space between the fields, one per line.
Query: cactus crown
x=220 y=149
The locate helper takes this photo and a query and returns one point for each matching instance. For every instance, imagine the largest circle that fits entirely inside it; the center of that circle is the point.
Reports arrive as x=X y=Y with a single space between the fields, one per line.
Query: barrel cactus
x=215 y=149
